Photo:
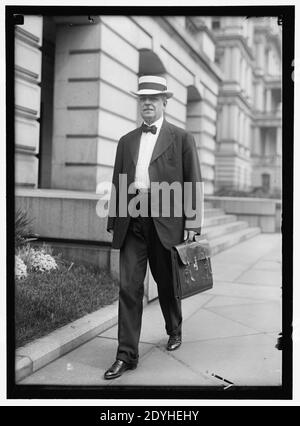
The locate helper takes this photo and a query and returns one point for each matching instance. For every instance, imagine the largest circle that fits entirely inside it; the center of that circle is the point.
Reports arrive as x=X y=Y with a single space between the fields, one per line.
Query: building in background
x=73 y=103
x=248 y=154
x=73 y=99
x=73 y=78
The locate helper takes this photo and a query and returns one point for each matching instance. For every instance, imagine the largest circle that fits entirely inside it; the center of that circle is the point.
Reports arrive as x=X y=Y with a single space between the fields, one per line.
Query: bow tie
x=147 y=129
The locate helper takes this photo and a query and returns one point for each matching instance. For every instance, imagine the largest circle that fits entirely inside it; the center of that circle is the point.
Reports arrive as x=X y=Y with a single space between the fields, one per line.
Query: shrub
x=20 y=268
x=51 y=292
x=37 y=259
x=23 y=232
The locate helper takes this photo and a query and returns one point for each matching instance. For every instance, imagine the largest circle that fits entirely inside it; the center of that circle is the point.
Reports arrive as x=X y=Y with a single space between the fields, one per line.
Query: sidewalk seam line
x=251 y=267
x=198 y=373
x=238 y=322
x=229 y=337
x=238 y=304
x=241 y=297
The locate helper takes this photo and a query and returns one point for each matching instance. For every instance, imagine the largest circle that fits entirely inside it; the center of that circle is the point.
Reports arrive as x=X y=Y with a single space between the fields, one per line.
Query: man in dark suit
x=145 y=225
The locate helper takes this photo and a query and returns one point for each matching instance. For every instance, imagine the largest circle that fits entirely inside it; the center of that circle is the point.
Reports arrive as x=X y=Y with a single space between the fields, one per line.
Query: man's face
x=152 y=107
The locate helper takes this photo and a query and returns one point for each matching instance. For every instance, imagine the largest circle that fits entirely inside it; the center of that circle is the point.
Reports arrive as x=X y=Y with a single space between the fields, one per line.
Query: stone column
x=249 y=82
x=241 y=128
x=249 y=91
x=269 y=62
x=91 y=108
x=250 y=136
x=250 y=32
x=279 y=109
x=279 y=141
x=236 y=123
x=256 y=141
x=227 y=65
x=259 y=96
x=246 y=132
x=260 y=55
x=236 y=57
x=242 y=77
x=225 y=117
x=76 y=102
x=279 y=157
x=268 y=100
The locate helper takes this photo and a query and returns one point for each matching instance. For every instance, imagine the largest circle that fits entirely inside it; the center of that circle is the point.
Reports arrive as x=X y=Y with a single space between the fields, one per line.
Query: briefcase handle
x=195 y=259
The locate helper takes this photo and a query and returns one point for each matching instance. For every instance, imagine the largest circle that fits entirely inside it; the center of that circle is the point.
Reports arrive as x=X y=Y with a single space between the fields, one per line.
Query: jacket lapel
x=165 y=138
x=135 y=144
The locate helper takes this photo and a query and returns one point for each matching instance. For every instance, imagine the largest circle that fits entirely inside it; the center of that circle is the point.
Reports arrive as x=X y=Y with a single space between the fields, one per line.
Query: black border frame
x=286 y=15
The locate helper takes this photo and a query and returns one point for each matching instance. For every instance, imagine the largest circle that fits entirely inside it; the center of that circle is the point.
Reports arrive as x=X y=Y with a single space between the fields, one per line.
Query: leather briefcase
x=191 y=268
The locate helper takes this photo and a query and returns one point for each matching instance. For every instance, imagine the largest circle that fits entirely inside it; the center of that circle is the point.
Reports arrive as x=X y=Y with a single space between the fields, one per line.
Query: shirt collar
x=158 y=123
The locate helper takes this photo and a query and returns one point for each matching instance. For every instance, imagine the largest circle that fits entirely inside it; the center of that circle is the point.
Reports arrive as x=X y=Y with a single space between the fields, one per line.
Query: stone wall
x=28 y=42
x=96 y=67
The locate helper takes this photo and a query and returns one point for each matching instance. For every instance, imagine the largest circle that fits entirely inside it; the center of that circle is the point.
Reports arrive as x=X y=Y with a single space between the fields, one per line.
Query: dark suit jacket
x=174 y=159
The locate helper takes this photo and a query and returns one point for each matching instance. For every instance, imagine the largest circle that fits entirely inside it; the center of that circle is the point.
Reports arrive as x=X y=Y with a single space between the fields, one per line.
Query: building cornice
x=224 y=38
x=201 y=27
x=267 y=79
x=223 y=94
x=193 y=46
x=265 y=33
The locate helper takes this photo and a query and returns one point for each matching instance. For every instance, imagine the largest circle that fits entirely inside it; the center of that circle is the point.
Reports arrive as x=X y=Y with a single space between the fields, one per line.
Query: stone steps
x=225 y=241
x=227 y=228
x=208 y=204
x=224 y=230
x=218 y=220
x=211 y=212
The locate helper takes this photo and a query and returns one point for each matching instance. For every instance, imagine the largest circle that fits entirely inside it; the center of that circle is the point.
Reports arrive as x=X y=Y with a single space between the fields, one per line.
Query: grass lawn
x=47 y=300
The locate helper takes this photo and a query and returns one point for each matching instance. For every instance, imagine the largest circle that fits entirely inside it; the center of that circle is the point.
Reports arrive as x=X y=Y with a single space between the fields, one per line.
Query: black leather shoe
x=174 y=343
x=117 y=369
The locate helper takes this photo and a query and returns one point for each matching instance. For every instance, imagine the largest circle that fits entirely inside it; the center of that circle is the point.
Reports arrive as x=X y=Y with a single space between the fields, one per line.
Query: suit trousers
x=141 y=244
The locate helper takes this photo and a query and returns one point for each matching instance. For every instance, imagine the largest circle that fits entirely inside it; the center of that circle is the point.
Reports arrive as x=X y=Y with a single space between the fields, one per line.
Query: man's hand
x=189 y=235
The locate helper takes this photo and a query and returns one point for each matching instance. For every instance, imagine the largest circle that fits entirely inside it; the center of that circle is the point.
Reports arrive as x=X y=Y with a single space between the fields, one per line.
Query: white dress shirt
x=147 y=143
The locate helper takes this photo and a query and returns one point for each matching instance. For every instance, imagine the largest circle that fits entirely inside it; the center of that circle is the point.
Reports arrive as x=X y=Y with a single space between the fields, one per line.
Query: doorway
x=46 y=115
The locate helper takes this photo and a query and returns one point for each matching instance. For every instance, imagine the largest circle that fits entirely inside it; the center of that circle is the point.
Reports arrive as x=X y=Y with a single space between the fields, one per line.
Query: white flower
x=41 y=261
x=20 y=268
x=37 y=259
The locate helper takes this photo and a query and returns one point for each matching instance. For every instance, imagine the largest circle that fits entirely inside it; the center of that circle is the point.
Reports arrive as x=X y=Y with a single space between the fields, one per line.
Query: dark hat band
x=153 y=86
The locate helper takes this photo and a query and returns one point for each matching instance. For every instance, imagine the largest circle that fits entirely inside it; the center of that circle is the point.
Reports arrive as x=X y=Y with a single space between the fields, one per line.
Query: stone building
x=73 y=101
x=73 y=77
x=73 y=88
x=248 y=151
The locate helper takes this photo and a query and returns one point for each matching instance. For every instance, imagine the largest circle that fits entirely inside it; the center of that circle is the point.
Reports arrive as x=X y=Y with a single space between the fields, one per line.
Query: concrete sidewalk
x=229 y=332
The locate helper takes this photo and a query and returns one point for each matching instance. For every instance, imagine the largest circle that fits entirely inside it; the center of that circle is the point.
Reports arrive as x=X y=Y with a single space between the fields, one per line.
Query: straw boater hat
x=152 y=85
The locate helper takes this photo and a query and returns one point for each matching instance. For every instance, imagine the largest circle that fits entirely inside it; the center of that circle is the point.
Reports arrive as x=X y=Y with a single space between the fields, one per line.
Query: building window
x=216 y=24
x=265 y=177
